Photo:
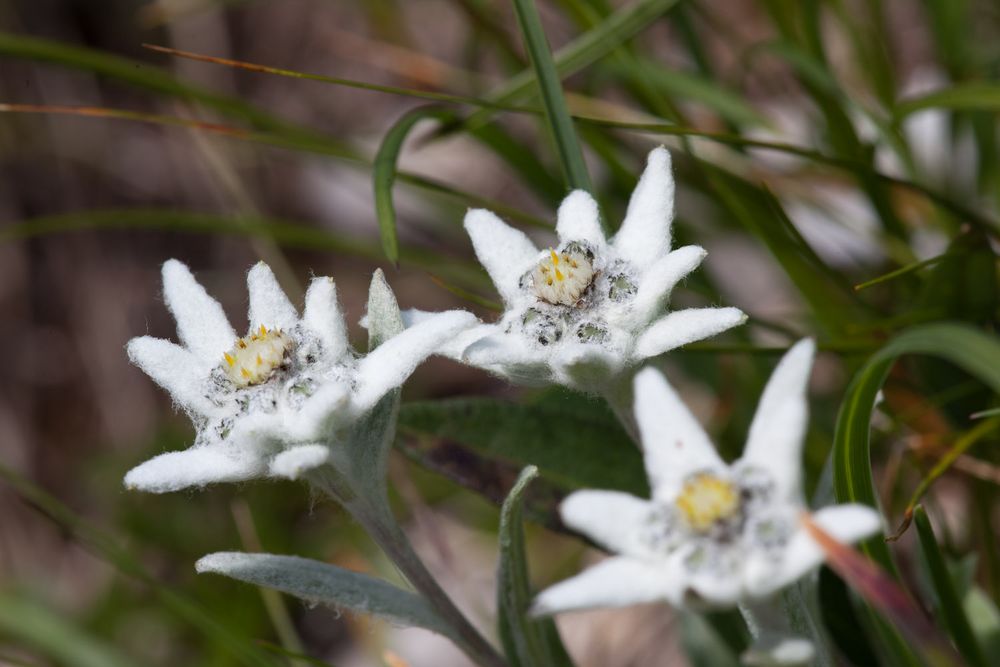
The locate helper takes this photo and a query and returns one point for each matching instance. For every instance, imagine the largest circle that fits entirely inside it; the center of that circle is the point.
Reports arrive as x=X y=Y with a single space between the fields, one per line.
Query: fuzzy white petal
x=615 y=582
x=175 y=369
x=454 y=347
x=845 y=523
x=586 y=366
x=201 y=323
x=291 y=463
x=318 y=414
x=579 y=219
x=197 y=466
x=707 y=591
x=322 y=316
x=644 y=236
x=613 y=519
x=506 y=253
x=268 y=304
x=673 y=442
x=779 y=425
x=388 y=365
x=659 y=280
x=509 y=357
x=686 y=326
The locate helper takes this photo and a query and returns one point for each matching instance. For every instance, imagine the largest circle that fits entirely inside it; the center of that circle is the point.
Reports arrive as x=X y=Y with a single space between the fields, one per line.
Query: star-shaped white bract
x=581 y=312
x=713 y=534
x=269 y=403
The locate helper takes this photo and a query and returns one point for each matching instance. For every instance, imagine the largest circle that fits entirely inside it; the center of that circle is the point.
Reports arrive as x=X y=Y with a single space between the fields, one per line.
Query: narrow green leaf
x=549 y=85
x=322 y=583
x=971 y=96
x=582 y=51
x=950 y=610
x=384 y=174
x=527 y=642
x=575 y=442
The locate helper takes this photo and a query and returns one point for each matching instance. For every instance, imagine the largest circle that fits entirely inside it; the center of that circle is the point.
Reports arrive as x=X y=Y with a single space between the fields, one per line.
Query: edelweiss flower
x=269 y=402
x=586 y=309
x=713 y=534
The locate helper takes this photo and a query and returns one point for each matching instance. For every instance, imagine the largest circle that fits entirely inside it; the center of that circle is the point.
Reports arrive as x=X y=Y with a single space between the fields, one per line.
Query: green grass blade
x=285 y=233
x=971 y=350
x=950 y=609
x=384 y=174
x=527 y=642
x=971 y=96
x=550 y=88
x=674 y=83
x=582 y=51
x=151 y=78
x=337 y=81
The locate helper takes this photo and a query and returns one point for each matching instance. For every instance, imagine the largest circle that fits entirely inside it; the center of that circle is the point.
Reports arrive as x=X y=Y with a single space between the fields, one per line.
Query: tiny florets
x=254 y=358
x=562 y=277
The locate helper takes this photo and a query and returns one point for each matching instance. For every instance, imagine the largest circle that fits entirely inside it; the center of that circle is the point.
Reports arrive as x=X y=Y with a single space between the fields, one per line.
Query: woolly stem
x=378 y=520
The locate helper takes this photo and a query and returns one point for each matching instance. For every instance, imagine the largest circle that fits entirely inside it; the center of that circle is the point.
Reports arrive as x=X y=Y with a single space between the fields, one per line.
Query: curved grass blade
x=950 y=609
x=971 y=96
x=527 y=642
x=550 y=88
x=973 y=351
x=384 y=174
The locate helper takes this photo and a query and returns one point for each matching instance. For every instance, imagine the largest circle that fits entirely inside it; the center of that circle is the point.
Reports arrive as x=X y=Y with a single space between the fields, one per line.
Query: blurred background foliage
x=838 y=159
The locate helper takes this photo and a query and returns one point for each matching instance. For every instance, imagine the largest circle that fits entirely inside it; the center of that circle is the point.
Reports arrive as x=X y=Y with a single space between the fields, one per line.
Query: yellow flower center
x=705 y=500
x=562 y=277
x=254 y=358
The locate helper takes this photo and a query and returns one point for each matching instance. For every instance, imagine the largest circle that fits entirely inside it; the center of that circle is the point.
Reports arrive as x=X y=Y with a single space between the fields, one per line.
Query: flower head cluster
x=713 y=534
x=268 y=403
x=586 y=309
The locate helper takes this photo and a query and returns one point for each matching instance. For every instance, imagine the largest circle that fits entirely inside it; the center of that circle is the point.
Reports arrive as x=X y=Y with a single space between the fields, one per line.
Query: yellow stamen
x=259 y=360
x=229 y=359
x=559 y=275
x=244 y=372
x=705 y=499
x=555 y=257
x=263 y=330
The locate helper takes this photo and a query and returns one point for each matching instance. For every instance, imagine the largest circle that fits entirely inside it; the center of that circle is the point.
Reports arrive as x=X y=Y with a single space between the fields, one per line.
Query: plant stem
x=619 y=396
x=378 y=520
